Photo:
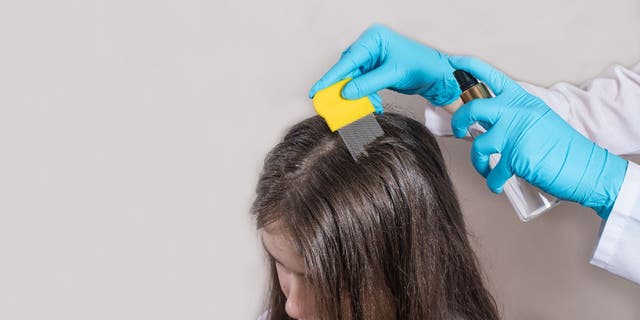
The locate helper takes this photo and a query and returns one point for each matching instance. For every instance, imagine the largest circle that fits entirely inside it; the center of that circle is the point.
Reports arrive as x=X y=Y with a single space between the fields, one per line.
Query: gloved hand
x=381 y=59
x=535 y=144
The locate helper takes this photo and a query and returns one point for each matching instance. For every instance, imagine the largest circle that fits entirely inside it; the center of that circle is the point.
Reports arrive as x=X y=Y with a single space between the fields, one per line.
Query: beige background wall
x=132 y=132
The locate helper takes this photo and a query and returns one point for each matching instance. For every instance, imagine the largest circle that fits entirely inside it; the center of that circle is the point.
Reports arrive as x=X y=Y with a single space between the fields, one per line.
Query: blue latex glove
x=381 y=59
x=535 y=144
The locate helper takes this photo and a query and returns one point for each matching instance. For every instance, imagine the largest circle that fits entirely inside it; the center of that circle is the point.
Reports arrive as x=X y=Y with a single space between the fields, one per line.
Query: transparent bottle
x=528 y=201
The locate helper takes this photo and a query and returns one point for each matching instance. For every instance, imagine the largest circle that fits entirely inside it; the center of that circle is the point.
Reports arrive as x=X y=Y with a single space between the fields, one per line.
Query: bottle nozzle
x=465 y=79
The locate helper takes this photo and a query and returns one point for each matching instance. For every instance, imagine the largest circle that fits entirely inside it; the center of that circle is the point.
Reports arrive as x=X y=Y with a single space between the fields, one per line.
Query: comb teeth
x=359 y=133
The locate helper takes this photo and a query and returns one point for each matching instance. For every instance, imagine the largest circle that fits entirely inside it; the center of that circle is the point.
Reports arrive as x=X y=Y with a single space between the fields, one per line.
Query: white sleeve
x=606 y=109
x=618 y=249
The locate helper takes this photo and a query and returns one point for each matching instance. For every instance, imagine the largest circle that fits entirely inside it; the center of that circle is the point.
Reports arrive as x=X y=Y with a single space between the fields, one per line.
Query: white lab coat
x=607 y=111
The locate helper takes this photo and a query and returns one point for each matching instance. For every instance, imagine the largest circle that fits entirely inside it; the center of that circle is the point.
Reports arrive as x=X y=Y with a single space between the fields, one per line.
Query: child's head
x=380 y=238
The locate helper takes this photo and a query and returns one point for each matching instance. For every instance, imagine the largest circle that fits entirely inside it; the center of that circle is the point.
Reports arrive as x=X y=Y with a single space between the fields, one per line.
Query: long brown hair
x=384 y=233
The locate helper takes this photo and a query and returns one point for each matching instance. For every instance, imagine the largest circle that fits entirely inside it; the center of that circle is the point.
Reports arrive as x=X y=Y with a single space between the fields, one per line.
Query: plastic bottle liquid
x=528 y=201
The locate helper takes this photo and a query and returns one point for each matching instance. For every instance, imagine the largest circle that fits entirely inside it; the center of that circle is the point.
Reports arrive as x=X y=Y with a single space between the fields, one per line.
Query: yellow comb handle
x=338 y=111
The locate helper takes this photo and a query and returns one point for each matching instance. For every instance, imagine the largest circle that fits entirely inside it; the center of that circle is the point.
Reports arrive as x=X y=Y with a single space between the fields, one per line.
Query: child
x=378 y=238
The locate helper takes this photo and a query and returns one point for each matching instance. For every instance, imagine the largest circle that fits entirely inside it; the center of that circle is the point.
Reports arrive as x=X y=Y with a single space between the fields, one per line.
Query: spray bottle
x=528 y=201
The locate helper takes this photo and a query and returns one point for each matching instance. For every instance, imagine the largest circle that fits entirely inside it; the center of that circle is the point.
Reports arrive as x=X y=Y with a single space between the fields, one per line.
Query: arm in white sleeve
x=606 y=109
x=618 y=249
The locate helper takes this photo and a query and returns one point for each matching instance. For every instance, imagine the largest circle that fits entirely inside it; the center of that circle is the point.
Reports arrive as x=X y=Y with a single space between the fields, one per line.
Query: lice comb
x=353 y=119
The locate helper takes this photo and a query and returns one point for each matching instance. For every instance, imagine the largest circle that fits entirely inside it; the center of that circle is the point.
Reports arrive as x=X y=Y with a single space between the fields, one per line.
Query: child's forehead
x=281 y=247
x=274 y=228
x=275 y=236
